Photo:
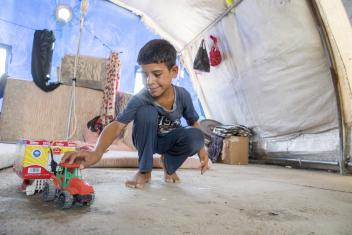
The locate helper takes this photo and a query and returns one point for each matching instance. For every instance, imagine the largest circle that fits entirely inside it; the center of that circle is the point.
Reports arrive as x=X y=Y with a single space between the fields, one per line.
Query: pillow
x=89 y=136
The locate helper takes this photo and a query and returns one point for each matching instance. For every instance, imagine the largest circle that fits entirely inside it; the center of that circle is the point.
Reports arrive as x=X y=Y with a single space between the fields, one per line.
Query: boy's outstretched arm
x=88 y=158
x=203 y=154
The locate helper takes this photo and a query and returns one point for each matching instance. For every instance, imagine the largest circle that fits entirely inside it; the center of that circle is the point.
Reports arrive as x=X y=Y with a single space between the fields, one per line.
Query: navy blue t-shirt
x=167 y=119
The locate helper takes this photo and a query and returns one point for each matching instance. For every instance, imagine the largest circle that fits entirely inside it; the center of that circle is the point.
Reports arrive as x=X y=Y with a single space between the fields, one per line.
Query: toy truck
x=67 y=187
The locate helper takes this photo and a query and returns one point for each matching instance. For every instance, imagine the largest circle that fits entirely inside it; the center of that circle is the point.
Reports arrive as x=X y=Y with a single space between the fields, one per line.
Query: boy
x=156 y=111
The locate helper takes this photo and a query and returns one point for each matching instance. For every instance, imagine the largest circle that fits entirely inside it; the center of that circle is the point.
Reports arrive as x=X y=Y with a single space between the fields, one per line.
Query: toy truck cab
x=67 y=186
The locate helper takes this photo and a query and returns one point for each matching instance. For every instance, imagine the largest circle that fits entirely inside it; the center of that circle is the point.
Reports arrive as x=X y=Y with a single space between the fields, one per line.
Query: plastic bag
x=214 y=54
x=201 y=62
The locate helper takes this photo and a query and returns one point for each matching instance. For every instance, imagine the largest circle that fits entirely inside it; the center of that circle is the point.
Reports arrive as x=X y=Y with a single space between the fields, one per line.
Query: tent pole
x=72 y=106
x=299 y=163
x=343 y=129
x=302 y=163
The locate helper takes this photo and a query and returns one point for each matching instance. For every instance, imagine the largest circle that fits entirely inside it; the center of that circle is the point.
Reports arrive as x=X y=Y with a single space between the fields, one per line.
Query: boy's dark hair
x=157 y=51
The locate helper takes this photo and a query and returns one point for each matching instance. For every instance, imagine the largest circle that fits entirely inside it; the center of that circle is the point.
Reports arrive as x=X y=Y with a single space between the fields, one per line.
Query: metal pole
x=84 y=7
x=343 y=129
x=300 y=163
x=334 y=163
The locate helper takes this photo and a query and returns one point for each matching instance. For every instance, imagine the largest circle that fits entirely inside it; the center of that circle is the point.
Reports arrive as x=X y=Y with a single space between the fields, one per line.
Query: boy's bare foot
x=139 y=180
x=173 y=178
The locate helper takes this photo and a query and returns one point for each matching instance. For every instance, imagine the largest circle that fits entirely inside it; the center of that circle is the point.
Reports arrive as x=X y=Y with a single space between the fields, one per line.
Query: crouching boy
x=156 y=112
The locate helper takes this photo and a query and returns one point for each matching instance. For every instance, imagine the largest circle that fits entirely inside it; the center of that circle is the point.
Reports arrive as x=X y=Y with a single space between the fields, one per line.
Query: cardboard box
x=34 y=157
x=235 y=150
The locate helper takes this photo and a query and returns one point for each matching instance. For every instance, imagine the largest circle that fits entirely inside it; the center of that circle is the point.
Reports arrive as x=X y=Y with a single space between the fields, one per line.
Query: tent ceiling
x=178 y=21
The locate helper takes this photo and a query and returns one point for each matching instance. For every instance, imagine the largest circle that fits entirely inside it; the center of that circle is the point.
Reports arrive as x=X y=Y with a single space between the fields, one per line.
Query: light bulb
x=63 y=13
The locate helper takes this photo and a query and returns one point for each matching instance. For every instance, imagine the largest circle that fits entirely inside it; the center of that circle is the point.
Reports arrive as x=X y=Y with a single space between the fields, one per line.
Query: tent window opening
x=138 y=80
x=4 y=58
x=4 y=51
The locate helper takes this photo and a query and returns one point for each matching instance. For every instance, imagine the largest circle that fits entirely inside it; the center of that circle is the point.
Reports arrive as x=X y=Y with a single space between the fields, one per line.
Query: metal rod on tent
x=333 y=163
x=84 y=7
x=301 y=163
x=235 y=4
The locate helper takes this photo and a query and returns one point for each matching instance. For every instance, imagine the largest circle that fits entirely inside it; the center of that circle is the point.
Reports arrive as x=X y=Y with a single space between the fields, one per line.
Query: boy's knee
x=196 y=138
x=147 y=113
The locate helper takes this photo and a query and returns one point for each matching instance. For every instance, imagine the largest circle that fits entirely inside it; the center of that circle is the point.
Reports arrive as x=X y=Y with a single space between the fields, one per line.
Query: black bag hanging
x=201 y=62
x=42 y=53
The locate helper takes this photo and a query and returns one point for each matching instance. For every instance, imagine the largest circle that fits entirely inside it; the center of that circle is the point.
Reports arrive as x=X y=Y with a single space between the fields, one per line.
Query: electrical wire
x=95 y=37
x=13 y=23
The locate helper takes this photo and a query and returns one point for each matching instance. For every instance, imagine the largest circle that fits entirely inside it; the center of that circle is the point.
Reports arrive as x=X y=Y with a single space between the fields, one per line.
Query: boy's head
x=158 y=61
x=157 y=51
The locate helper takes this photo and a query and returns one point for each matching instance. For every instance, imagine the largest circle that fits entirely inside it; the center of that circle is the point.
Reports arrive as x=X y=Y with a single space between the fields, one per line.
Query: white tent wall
x=274 y=78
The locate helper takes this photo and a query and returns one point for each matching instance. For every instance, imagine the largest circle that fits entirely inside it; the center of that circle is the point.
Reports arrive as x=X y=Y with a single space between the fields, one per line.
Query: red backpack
x=214 y=54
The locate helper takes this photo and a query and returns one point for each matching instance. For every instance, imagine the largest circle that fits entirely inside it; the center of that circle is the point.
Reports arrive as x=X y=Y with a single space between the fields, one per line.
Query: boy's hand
x=84 y=157
x=204 y=164
x=204 y=160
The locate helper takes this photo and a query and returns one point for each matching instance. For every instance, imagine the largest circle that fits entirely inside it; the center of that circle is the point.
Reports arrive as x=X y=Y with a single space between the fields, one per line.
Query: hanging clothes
x=108 y=113
x=42 y=53
x=215 y=147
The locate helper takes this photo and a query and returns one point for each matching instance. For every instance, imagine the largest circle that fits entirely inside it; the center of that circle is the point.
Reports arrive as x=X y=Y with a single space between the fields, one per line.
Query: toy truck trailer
x=36 y=160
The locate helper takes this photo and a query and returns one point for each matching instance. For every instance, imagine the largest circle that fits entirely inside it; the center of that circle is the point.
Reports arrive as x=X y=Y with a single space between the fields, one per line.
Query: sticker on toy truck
x=34 y=170
x=36 y=153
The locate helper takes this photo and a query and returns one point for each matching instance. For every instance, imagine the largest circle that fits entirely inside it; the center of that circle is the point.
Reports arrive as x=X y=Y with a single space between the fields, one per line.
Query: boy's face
x=157 y=78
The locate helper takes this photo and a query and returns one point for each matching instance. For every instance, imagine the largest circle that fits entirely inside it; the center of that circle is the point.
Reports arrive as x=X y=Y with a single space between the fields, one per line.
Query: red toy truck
x=67 y=187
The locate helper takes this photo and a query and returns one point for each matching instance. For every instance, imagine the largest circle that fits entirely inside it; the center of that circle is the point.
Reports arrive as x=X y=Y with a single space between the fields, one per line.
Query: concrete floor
x=253 y=199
